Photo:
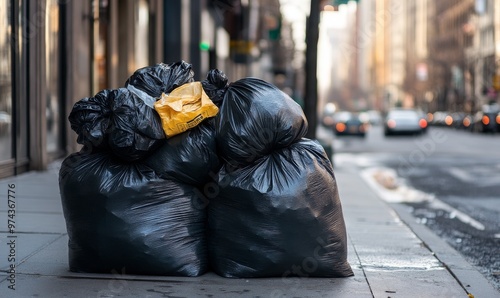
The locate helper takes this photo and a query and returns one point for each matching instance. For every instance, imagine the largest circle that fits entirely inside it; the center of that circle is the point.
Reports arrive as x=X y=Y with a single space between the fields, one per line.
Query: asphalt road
x=450 y=179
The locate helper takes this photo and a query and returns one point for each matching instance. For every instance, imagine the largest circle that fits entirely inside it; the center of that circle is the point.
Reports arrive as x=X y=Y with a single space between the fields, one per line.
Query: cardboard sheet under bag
x=184 y=108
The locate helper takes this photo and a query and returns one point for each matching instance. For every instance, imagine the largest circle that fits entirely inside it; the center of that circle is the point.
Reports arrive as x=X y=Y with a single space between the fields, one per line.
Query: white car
x=404 y=121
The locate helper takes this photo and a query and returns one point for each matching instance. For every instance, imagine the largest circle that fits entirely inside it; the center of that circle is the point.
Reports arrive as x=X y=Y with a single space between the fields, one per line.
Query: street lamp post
x=311 y=83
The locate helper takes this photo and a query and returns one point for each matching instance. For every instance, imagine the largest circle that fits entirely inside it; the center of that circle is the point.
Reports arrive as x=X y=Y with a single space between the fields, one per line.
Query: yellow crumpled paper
x=184 y=108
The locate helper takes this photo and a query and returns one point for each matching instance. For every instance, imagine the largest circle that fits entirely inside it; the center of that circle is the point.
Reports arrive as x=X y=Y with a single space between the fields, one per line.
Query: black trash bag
x=215 y=85
x=135 y=129
x=279 y=217
x=161 y=78
x=254 y=119
x=89 y=118
x=121 y=217
x=190 y=157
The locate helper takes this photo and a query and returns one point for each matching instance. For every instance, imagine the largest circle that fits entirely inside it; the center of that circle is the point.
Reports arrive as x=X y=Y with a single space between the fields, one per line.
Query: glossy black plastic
x=122 y=218
x=280 y=216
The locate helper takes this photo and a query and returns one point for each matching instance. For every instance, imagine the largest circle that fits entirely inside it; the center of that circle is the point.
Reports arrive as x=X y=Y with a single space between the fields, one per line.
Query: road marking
x=438 y=204
x=478 y=176
x=395 y=191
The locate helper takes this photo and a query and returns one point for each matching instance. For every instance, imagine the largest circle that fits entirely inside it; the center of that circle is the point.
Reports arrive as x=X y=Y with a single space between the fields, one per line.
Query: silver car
x=404 y=121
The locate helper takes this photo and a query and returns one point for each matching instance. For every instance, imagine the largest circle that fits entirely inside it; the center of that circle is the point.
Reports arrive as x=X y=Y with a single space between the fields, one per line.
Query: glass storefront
x=99 y=50
x=5 y=81
x=52 y=53
x=52 y=56
x=142 y=35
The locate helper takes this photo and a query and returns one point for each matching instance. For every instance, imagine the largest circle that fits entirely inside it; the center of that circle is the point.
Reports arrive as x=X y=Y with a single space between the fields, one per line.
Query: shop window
x=142 y=35
x=6 y=117
x=52 y=57
x=99 y=47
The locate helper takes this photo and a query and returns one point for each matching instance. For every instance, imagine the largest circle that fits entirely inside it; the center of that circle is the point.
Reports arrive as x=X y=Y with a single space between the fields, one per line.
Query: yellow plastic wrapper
x=184 y=108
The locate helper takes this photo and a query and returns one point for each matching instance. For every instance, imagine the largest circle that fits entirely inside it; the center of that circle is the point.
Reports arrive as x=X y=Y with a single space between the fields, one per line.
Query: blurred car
x=457 y=120
x=438 y=118
x=497 y=120
x=327 y=120
x=347 y=123
x=486 y=120
x=404 y=121
x=467 y=122
x=423 y=116
x=374 y=117
x=327 y=116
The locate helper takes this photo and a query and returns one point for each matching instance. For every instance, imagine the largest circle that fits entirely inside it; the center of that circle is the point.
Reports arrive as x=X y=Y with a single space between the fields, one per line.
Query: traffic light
x=204 y=46
x=339 y=2
x=336 y=3
x=275 y=33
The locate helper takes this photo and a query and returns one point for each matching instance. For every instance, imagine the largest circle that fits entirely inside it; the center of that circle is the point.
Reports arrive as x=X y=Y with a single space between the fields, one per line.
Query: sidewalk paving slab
x=394 y=261
x=388 y=259
x=468 y=276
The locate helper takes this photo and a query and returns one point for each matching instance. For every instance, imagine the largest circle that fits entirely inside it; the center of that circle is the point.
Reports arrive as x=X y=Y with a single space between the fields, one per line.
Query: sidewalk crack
x=361 y=265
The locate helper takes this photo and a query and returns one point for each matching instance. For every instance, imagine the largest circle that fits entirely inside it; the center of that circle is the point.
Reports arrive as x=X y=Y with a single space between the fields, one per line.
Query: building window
x=6 y=118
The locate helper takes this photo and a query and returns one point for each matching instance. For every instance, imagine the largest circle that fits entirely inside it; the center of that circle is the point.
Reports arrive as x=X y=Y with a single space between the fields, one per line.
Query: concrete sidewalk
x=387 y=256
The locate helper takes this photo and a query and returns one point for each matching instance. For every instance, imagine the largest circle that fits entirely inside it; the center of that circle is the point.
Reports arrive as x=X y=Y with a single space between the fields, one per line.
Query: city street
x=449 y=178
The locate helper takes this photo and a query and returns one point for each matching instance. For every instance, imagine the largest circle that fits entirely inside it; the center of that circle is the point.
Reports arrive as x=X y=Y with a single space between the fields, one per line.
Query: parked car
x=374 y=117
x=423 y=116
x=486 y=120
x=404 y=121
x=438 y=118
x=347 y=123
x=457 y=120
x=497 y=120
x=467 y=122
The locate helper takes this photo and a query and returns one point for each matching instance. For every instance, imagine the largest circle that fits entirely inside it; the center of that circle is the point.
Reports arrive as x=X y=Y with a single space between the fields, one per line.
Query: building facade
x=434 y=55
x=416 y=66
x=481 y=58
x=447 y=47
x=55 y=52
